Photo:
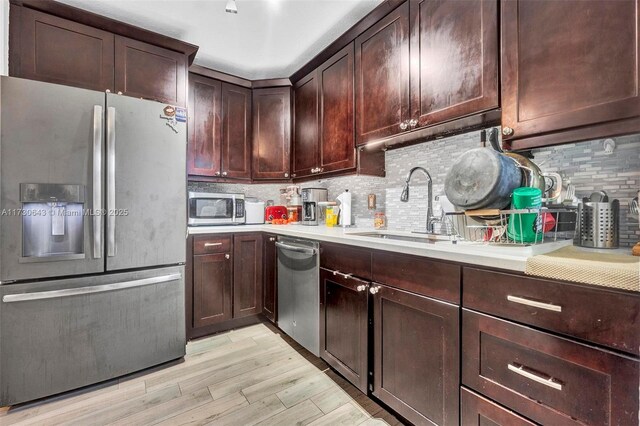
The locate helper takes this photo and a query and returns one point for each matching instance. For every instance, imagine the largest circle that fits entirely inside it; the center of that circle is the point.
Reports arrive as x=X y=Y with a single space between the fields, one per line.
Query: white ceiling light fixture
x=231 y=7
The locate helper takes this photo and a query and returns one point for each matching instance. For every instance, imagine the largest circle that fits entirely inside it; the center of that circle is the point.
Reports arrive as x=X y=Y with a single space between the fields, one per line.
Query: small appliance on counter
x=312 y=211
x=272 y=213
x=254 y=211
x=215 y=208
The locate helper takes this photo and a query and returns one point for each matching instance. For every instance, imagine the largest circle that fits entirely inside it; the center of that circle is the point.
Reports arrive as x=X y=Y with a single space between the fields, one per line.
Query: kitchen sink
x=402 y=236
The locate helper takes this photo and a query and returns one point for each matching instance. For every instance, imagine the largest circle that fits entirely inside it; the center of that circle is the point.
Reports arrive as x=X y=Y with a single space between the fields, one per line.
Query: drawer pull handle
x=212 y=244
x=345 y=276
x=524 y=373
x=535 y=304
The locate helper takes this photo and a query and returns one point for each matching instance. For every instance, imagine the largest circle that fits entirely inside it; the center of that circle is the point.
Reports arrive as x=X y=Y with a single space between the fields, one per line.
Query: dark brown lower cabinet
x=212 y=288
x=344 y=325
x=270 y=288
x=247 y=274
x=549 y=379
x=416 y=355
x=478 y=411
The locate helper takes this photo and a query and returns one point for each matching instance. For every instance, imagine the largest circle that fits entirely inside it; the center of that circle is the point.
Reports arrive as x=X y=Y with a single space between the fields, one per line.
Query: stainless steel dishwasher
x=299 y=291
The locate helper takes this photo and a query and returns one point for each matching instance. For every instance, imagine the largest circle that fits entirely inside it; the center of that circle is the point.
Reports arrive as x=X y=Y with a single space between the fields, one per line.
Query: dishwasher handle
x=297 y=249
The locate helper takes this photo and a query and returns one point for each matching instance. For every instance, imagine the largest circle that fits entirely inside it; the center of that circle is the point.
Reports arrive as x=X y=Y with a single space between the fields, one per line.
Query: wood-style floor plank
x=253 y=375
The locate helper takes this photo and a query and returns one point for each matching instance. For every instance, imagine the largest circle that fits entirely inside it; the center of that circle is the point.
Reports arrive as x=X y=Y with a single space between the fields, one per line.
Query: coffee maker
x=312 y=211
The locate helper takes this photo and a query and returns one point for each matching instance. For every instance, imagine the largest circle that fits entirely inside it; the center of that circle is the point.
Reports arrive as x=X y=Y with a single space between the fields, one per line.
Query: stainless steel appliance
x=215 y=208
x=298 y=291
x=92 y=237
x=312 y=211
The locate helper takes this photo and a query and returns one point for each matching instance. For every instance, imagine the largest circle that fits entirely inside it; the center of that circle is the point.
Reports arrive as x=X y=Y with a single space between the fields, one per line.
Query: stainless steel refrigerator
x=92 y=237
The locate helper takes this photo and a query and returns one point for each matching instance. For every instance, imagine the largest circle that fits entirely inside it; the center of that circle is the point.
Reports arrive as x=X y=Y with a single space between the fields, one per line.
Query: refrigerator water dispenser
x=52 y=221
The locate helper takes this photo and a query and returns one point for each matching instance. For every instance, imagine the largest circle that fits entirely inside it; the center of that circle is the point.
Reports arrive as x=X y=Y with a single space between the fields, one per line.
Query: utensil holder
x=599 y=224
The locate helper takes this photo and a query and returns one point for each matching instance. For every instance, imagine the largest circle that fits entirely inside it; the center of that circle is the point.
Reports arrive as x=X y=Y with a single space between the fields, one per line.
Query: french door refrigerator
x=92 y=237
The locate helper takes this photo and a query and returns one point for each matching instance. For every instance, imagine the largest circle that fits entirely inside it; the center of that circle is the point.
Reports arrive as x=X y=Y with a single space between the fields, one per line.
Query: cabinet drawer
x=346 y=259
x=417 y=274
x=549 y=379
x=598 y=315
x=478 y=411
x=205 y=244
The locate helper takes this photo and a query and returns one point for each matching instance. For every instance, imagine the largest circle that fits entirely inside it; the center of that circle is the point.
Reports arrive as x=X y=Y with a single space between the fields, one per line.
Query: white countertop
x=504 y=257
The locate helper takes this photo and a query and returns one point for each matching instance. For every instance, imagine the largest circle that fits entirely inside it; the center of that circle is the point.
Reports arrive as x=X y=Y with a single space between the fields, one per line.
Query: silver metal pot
x=533 y=177
x=482 y=179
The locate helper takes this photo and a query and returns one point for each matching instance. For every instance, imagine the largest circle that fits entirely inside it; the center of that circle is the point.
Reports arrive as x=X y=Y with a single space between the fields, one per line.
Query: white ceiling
x=266 y=39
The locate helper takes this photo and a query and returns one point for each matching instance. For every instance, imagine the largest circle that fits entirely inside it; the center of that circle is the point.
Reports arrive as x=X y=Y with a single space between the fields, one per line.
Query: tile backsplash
x=585 y=164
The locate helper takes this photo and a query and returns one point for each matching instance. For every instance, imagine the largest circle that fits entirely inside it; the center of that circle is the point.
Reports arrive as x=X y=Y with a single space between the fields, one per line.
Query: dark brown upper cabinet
x=425 y=64
x=57 y=50
x=569 y=79
x=337 y=147
x=60 y=44
x=219 y=129
x=305 y=127
x=150 y=72
x=382 y=77
x=454 y=59
x=323 y=129
x=205 y=126
x=272 y=133
x=236 y=131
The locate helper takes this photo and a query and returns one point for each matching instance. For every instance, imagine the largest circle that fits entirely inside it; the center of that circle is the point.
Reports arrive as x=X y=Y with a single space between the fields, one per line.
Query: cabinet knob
x=374 y=290
x=413 y=123
x=227 y=256
x=119 y=93
x=217 y=173
x=404 y=125
x=507 y=131
x=272 y=239
x=361 y=288
x=107 y=91
x=224 y=173
x=286 y=175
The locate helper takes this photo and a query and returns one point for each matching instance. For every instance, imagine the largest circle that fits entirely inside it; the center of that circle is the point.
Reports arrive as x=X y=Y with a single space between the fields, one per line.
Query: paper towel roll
x=345 y=208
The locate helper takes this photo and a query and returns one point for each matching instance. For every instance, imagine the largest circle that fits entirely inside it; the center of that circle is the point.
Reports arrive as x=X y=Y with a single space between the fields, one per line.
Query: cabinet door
x=59 y=51
x=560 y=73
x=150 y=72
x=382 y=77
x=212 y=283
x=271 y=133
x=454 y=61
x=337 y=147
x=416 y=356
x=344 y=326
x=247 y=274
x=236 y=131
x=205 y=129
x=305 y=127
x=270 y=288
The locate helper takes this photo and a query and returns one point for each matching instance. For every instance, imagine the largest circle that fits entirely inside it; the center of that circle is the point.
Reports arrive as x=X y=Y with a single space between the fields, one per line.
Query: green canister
x=525 y=227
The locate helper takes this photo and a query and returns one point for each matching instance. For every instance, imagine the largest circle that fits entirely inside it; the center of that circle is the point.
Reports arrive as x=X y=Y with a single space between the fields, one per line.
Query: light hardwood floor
x=249 y=376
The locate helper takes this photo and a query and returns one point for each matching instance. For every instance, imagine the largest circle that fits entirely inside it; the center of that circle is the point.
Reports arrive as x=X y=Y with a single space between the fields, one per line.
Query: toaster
x=274 y=212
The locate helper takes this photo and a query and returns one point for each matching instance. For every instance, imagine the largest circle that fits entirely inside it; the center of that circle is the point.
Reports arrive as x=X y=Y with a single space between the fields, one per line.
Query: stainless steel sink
x=402 y=236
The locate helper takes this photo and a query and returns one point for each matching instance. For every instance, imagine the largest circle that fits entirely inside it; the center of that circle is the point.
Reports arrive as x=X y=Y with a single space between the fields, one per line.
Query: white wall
x=4 y=36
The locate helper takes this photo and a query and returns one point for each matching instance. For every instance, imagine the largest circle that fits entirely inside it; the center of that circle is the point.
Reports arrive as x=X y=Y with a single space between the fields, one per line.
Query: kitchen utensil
x=482 y=179
x=570 y=194
x=599 y=197
x=599 y=224
x=525 y=227
x=633 y=206
x=535 y=178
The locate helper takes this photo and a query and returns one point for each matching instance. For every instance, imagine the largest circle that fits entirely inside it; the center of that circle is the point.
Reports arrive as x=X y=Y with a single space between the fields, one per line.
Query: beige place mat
x=571 y=264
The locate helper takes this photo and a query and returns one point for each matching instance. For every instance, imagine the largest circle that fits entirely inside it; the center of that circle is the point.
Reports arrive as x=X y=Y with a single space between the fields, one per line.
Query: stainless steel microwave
x=214 y=208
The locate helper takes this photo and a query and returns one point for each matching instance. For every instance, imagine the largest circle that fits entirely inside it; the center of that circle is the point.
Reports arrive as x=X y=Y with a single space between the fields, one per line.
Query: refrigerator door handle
x=39 y=295
x=97 y=181
x=111 y=181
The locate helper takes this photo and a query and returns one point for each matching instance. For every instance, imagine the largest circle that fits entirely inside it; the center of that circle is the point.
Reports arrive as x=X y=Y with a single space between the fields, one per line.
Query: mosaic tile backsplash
x=585 y=164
